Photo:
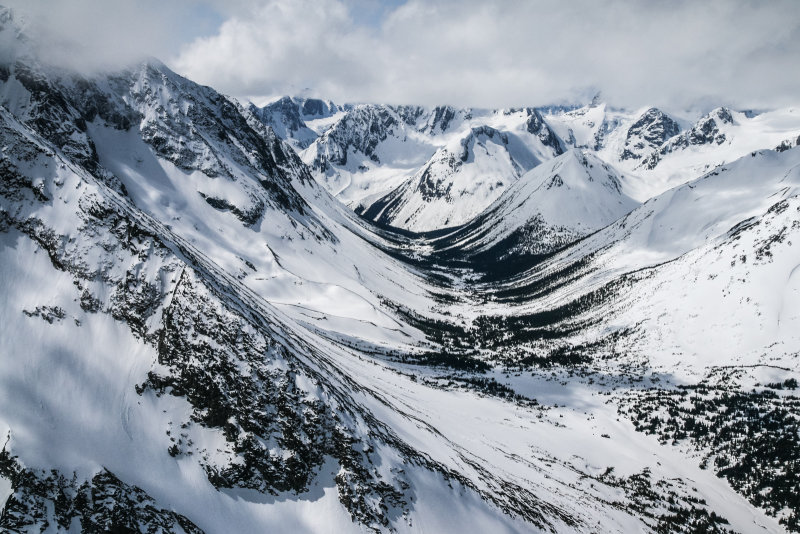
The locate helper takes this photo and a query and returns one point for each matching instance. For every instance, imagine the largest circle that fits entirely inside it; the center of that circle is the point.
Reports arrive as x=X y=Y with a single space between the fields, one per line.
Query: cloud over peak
x=676 y=54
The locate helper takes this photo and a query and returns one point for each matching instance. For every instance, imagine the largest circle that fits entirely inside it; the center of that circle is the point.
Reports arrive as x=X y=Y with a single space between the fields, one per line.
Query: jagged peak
x=484 y=130
x=653 y=112
x=721 y=113
x=153 y=70
x=475 y=135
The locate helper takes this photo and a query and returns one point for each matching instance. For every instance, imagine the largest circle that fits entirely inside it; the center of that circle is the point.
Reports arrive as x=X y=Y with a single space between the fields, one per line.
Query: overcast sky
x=673 y=54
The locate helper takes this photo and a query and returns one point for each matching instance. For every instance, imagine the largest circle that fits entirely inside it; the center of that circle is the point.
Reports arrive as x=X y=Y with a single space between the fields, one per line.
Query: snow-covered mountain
x=719 y=137
x=647 y=133
x=298 y=121
x=698 y=285
x=458 y=182
x=659 y=152
x=554 y=204
x=400 y=165
x=374 y=150
x=721 y=232
x=370 y=149
x=196 y=335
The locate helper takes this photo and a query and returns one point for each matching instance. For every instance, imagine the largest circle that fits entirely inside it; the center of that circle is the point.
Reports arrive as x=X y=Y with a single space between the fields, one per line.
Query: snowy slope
x=637 y=135
x=373 y=150
x=145 y=235
x=458 y=182
x=694 y=291
x=583 y=127
x=139 y=319
x=721 y=136
x=549 y=207
x=298 y=121
x=706 y=283
x=197 y=337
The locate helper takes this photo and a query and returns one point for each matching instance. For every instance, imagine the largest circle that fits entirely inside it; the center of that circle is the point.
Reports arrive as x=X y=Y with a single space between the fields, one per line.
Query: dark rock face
x=705 y=132
x=285 y=117
x=440 y=120
x=285 y=110
x=787 y=144
x=536 y=125
x=313 y=106
x=316 y=107
x=648 y=133
x=249 y=216
x=361 y=130
x=410 y=115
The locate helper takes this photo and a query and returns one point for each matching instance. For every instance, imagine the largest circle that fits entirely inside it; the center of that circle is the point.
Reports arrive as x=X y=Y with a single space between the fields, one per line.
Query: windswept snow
x=599 y=332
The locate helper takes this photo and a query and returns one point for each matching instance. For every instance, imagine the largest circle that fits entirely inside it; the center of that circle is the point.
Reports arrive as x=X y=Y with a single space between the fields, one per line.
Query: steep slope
x=719 y=232
x=551 y=206
x=196 y=337
x=458 y=182
x=298 y=121
x=638 y=135
x=719 y=137
x=138 y=320
x=195 y=349
x=373 y=150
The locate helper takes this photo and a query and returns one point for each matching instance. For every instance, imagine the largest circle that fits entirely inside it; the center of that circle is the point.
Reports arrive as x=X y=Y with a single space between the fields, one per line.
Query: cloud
x=673 y=54
x=471 y=52
x=90 y=35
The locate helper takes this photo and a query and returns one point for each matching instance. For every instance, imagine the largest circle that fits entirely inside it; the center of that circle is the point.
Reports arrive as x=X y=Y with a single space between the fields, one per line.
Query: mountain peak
x=647 y=133
x=723 y=114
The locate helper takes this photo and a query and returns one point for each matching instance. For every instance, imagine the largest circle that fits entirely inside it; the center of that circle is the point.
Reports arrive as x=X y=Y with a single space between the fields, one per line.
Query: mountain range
x=321 y=317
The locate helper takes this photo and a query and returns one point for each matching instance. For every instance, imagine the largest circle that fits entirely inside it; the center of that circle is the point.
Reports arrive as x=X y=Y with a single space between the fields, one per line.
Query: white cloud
x=673 y=54
x=473 y=52
x=105 y=34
